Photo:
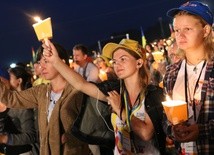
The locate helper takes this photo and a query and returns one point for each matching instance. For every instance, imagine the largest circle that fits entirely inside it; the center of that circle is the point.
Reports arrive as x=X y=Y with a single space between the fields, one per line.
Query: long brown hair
x=143 y=73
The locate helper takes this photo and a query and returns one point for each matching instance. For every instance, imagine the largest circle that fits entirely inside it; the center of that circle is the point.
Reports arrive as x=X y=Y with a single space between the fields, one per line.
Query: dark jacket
x=19 y=125
x=154 y=97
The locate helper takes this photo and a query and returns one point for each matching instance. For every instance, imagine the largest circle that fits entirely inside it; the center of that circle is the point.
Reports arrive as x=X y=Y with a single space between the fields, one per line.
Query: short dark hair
x=20 y=72
x=81 y=47
x=63 y=54
x=39 y=53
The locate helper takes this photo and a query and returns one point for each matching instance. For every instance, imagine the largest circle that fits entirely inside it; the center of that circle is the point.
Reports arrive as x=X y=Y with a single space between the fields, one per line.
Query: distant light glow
x=37 y=19
x=70 y=60
x=13 y=65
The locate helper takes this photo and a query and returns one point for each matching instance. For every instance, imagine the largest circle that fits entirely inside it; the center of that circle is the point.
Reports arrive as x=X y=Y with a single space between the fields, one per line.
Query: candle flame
x=37 y=19
x=111 y=62
x=103 y=75
x=102 y=71
x=168 y=98
x=70 y=60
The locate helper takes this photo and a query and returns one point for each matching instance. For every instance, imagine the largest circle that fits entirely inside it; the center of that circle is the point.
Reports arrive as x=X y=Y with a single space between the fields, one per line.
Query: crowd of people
x=37 y=112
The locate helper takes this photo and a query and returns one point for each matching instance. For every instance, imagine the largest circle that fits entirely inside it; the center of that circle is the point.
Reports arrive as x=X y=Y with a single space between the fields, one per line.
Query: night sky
x=80 y=21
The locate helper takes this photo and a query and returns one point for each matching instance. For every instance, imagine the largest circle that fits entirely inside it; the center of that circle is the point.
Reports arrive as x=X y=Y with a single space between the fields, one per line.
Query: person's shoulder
x=155 y=94
x=151 y=88
x=40 y=86
x=20 y=112
x=40 y=81
x=92 y=65
x=173 y=67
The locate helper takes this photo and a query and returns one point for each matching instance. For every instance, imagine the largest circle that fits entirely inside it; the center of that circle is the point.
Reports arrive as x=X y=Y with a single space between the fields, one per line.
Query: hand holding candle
x=176 y=111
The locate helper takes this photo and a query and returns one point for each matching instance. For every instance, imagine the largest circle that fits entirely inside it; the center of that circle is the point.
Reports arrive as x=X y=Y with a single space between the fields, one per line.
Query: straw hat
x=129 y=44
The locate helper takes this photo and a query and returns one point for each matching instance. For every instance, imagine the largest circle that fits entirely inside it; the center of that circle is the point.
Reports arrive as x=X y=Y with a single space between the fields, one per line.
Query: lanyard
x=128 y=115
x=128 y=110
x=196 y=86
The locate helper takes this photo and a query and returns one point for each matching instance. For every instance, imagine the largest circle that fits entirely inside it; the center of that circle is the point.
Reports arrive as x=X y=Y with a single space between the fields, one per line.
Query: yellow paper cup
x=43 y=29
x=176 y=111
x=158 y=56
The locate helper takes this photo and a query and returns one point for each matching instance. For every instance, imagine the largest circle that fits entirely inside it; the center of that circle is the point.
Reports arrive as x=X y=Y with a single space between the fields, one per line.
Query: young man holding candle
x=58 y=105
x=191 y=79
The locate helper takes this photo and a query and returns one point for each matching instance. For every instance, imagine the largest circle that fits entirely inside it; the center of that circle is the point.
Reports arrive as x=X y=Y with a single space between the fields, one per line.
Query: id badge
x=189 y=148
x=122 y=135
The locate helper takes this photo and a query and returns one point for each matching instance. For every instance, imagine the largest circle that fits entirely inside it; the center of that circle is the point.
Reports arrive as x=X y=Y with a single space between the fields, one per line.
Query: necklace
x=195 y=68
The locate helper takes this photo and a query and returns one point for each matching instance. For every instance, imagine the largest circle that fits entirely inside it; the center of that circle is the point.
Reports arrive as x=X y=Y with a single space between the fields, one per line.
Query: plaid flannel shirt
x=205 y=141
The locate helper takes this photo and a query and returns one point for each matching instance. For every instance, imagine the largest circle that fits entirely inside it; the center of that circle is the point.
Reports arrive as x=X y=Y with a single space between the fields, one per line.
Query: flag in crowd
x=143 y=38
x=33 y=54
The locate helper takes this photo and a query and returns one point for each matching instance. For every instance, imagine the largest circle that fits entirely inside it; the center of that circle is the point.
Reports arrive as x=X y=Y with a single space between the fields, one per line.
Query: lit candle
x=158 y=56
x=71 y=62
x=43 y=28
x=176 y=110
x=103 y=75
x=37 y=19
x=147 y=55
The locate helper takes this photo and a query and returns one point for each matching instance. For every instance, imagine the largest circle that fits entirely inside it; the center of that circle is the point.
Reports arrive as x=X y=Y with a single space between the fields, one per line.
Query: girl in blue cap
x=191 y=79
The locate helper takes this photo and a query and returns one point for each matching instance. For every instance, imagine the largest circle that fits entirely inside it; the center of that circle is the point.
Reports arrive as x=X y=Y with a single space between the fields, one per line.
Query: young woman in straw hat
x=191 y=79
x=136 y=129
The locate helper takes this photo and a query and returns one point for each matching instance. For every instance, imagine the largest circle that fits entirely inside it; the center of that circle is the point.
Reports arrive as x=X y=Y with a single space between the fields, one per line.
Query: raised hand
x=49 y=52
x=114 y=101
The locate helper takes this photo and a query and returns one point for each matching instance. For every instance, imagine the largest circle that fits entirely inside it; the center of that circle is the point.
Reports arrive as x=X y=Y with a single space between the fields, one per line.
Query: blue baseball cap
x=195 y=8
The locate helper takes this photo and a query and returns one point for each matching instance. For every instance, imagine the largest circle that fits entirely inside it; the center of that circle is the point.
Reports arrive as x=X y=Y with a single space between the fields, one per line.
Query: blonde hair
x=208 y=40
